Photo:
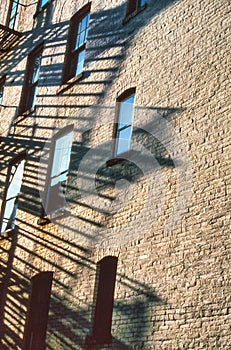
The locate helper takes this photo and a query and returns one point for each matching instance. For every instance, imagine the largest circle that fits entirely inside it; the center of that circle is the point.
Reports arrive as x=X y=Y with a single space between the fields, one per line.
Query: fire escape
x=8 y=33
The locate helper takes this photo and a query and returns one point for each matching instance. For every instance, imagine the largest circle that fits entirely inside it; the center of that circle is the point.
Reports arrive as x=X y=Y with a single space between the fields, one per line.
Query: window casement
x=123 y=129
x=30 y=87
x=76 y=45
x=13 y=13
x=12 y=189
x=104 y=300
x=57 y=174
x=2 y=84
x=38 y=310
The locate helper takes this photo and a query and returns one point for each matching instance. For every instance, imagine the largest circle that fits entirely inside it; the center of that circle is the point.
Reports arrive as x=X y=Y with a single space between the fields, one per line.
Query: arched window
x=123 y=129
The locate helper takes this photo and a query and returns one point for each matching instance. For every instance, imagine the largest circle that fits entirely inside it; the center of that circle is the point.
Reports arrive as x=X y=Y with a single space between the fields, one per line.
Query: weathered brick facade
x=172 y=286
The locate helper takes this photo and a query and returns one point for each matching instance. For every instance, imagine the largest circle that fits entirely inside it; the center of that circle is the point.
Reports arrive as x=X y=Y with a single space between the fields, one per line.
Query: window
x=11 y=194
x=13 y=14
x=104 y=297
x=134 y=6
x=37 y=318
x=42 y=3
x=56 y=180
x=31 y=80
x=2 y=84
x=124 y=124
x=76 y=45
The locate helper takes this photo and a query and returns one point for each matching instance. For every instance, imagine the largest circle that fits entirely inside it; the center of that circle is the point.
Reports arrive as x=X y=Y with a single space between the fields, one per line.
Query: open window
x=12 y=189
x=123 y=129
x=56 y=180
x=104 y=300
x=76 y=45
x=30 y=87
x=37 y=317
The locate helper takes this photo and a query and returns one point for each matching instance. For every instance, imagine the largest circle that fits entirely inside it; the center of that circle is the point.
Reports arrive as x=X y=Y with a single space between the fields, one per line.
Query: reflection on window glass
x=2 y=84
x=124 y=126
x=13 y=14
x=13 y=187
x=42 y=3
x=58 y=172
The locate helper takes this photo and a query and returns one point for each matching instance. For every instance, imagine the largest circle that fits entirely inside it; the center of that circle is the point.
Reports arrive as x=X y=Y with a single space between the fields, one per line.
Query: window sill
x=28 y=112
x=9 y=233
x=69 y=83
x=133 y=14
x=46 y=219
x=40 y=9
x=43 y=221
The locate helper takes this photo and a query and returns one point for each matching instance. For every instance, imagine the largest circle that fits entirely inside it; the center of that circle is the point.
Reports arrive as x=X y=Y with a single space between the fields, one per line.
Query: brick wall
x=173 y=282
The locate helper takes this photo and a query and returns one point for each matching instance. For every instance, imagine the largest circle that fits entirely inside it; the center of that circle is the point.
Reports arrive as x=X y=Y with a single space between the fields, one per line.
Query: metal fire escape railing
x=8 y=37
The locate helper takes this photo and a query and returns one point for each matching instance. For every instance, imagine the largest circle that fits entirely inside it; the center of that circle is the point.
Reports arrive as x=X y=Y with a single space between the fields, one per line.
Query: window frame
x=47 y=188
x=2 y=86
x=72 y=50
x=40 y=6
x=120 y=99
x=104 y=291
x=13 y=162
x=133 y=8
x=38 y=311
x=29 y=90
x=16 y=15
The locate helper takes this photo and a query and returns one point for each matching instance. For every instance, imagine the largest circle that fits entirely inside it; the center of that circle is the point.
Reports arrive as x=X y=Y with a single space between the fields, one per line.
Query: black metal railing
x=8 y=37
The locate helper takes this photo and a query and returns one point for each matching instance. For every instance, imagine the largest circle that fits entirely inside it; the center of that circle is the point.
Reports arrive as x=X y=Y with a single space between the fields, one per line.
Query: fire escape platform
x=8 y=38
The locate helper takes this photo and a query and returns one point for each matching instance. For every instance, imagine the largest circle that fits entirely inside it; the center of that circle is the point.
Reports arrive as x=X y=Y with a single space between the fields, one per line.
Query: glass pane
x=85 y=22
x=16 y=180
x=80 y=62
x=59 y=172
x=9 y=215
x=32 y=96
x=80 y=40
x=43 y=2
x=13 y=15
x=1 y=94
x=82 y=32
x=11 y=23
x=36 y=68
x=126 y=111
x=12 y=195
x=123 y=140
x=13 y=9
x=62 y=155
